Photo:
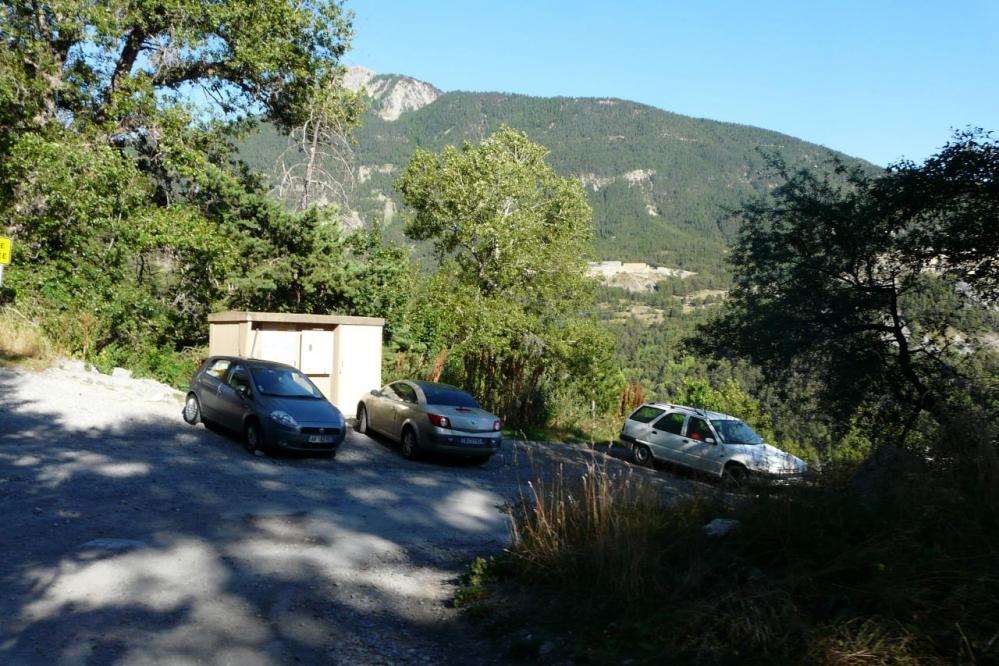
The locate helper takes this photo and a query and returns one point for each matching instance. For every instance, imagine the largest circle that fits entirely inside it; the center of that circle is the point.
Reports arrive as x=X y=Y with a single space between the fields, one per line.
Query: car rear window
x=217 y=369
x=448 y=397
x=645 y=414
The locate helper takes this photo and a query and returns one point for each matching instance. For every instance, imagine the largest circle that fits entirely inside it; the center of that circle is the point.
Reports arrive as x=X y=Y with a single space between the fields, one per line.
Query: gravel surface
x=129 y=537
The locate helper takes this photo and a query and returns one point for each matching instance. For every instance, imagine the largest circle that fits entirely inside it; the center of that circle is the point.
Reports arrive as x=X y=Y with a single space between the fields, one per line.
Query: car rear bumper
x=469 y=446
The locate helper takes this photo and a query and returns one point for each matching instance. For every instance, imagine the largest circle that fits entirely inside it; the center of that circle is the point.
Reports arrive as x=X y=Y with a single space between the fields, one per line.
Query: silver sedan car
x=425 y=416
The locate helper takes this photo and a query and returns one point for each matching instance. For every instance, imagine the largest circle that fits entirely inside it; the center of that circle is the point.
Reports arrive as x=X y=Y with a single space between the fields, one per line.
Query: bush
x=166 y=365
x=831 y=573
x=23 y=341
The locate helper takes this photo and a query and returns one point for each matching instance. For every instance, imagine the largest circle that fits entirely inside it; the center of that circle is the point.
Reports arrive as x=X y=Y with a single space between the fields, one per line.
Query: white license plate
x=470 y=440
x=320 y=439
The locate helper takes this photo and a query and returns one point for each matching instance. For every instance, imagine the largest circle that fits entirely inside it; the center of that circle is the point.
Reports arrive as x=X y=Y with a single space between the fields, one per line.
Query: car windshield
x=284 y=383
x=449 y=397
x=735 y=432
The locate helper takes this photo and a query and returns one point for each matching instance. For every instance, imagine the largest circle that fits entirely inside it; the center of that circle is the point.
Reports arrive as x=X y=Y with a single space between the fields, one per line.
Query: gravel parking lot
x=129 y=537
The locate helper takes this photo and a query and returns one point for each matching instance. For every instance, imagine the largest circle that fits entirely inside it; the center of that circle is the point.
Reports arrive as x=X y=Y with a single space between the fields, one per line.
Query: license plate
x=320 y=439
x=470 y=440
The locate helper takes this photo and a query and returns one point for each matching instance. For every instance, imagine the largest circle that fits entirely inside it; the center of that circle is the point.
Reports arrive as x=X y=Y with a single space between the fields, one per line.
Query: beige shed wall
x=223 y=340
x=353 y=345
x=357 y=363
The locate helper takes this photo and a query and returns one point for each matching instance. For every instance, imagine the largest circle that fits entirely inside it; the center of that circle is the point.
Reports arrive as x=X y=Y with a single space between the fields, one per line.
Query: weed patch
x=819 y=574
x=22 y=342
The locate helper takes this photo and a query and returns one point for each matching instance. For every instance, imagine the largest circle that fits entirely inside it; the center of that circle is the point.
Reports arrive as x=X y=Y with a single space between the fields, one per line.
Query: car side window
x=239 y=377
x=698 y=429
x=218 y=368
x=671 y=423
x=389 y=392
x=645 y=414
x=406 y=392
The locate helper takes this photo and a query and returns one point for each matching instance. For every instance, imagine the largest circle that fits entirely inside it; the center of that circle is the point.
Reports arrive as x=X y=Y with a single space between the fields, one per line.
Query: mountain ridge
x=662 y=185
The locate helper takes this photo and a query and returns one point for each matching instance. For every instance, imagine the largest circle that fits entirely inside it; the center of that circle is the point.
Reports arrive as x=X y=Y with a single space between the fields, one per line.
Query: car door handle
x=654 y=432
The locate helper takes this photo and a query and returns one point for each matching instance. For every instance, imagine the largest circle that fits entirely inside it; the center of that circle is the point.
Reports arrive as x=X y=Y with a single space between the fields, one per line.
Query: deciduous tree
x=875 y=285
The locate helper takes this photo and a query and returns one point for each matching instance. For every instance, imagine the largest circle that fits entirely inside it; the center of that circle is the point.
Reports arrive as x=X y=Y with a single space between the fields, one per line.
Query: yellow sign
x=4 y=251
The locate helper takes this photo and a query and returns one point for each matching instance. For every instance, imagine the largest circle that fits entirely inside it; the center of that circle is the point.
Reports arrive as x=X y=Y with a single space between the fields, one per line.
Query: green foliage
x=502 y=219
x=903 y=571
x=477 y=581
x=131 y=221
x=510 y=239
x=679 y=215
x=830 y=283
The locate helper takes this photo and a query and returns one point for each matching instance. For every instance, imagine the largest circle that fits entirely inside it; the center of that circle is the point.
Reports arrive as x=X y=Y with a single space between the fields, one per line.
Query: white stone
x=113 y=544
x=719 y=527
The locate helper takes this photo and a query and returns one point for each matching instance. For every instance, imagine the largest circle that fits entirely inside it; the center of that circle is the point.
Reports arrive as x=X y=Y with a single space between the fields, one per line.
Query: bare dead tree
x=317 y=167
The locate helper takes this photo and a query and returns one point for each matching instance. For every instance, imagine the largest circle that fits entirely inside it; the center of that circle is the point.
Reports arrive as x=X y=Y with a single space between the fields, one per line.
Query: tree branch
x=126 y=60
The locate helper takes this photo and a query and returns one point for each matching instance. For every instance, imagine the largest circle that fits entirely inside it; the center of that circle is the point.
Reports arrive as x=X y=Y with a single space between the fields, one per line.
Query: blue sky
x=879 y=80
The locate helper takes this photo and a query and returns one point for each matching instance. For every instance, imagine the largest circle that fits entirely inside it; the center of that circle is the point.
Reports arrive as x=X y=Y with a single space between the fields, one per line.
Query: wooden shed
x=341 y=355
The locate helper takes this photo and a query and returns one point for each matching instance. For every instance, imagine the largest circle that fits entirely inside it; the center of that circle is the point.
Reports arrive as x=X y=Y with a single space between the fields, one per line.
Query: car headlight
x=285 y=419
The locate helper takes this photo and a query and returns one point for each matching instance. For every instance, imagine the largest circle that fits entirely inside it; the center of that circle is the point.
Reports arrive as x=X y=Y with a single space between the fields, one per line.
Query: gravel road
x=129 y=537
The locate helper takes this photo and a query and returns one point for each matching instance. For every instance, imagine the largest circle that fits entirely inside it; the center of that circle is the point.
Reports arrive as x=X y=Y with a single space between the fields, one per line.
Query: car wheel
x=254 y=438
x=643 y=455
x=362 y=419
x=410 y=445
x=192 y=409
x=735 y=476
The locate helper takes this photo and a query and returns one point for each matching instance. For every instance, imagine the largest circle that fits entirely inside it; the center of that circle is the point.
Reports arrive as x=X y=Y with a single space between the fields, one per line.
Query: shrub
x=831 y=573
x=23 y=341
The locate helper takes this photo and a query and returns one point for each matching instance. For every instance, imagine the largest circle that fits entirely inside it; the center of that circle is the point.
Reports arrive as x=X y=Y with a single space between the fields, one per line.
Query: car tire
x=643 y=456
x=362 y=419
x=253 y=438
x=409 y=445
x=192 y=409
x=735 y=476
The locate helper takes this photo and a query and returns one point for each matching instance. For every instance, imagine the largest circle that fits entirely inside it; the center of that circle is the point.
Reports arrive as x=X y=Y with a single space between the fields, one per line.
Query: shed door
x=280 y=346
x=317 y=352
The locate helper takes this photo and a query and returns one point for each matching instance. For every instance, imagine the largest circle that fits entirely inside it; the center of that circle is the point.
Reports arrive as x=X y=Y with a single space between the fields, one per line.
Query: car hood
x=305 y=410
x=771 y=460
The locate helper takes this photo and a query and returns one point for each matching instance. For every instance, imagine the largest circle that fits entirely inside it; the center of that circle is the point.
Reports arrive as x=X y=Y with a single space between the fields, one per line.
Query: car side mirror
x=376 y=393
x=710 y=440
x=243 y=391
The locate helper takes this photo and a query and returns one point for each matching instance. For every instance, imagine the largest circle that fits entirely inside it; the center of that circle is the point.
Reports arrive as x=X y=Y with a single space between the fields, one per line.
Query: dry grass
x=23 y=343
x=814 y=574
x=597 y=537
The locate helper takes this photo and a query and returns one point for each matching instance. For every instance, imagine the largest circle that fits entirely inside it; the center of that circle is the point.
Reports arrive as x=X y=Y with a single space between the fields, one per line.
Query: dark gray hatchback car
x=273 y=405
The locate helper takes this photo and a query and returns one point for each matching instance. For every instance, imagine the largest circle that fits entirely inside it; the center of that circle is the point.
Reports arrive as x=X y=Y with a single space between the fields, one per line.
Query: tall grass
x=22 y=341
x=822 y=574
x=605 y=529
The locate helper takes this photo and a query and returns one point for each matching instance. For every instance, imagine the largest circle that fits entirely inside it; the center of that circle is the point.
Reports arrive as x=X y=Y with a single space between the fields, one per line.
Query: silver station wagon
x=426 y=416
x=718 y=444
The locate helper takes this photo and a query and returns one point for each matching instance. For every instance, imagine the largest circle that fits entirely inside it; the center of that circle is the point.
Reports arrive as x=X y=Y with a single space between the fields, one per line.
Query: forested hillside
x=661 y=185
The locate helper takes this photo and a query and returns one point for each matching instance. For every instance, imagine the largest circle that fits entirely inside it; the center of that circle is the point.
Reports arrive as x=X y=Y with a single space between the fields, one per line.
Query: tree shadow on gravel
x=150 y=541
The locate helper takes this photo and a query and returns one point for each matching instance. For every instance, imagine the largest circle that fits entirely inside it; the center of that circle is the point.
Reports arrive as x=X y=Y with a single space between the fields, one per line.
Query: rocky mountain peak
x=392 y=95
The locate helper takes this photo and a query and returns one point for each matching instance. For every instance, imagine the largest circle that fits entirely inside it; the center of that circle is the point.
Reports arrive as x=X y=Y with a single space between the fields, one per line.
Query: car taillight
x=440 y=421
x=496 y=426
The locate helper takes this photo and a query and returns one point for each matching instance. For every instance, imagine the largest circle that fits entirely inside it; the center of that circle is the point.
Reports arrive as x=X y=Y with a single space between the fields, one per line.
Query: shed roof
x=236 y=317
